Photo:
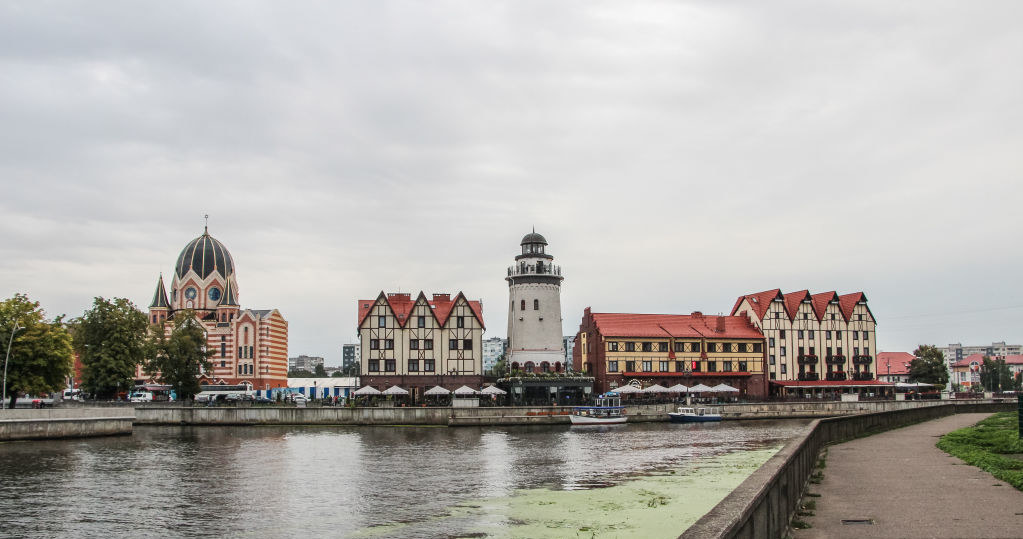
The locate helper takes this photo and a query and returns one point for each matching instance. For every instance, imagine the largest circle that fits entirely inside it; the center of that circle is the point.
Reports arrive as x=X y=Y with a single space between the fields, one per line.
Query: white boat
x=685 y=414
x=607 y=410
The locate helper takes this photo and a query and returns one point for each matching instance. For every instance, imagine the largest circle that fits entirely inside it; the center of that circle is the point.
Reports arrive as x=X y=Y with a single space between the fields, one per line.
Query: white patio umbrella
x=493 y=390
x=700 y=388
x=437 y=390
x=465 y=390
x=395 y=390
x=724 y=388
x=364 y=391
x=678 y=388
x=625 y=390
x=656 y=388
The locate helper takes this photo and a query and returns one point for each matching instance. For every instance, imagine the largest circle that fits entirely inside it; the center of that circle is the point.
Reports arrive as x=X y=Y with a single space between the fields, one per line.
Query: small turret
x=159 y=307
x=228 y=306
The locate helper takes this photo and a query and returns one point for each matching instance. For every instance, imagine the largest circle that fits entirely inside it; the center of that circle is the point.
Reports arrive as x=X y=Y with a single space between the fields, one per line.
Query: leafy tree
x=928 y=366
x=350 y=369
x=340 y=373
x=40 y=353
x=111 y=339
x=300 y=373
x=995 y=375
x=319 y=371
x=182 y=356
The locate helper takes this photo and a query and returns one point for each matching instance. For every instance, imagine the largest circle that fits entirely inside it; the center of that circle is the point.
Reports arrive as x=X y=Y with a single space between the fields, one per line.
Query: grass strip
x=990 y=445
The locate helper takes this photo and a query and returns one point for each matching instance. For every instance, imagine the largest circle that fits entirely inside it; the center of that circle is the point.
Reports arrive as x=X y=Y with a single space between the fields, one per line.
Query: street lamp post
x=3 y=403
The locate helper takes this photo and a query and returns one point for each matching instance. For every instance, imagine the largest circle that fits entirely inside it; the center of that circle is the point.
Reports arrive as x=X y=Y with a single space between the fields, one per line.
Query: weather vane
x=206 y=227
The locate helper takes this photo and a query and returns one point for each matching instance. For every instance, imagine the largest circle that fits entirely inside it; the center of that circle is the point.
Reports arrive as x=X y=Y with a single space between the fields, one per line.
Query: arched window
x=515 y=365
x=536 y=305
x=522 y=306
x=545 y=367
x=557 y=367
x=530 y=366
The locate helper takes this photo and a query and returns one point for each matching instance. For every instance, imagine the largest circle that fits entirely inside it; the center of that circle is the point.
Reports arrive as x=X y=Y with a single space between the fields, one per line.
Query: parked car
x=263 y=400
x=239 y=397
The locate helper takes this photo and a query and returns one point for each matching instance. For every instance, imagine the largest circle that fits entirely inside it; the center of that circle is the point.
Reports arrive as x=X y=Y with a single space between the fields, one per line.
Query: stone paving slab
x=909 y=488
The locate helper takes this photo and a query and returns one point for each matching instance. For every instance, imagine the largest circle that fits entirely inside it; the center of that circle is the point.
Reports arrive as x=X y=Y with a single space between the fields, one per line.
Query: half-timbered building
x=668 y=349
x=417 y=343
x=813 y=337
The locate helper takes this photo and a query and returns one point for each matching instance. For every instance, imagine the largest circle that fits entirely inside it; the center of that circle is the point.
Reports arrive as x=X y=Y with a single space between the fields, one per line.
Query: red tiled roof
x=792 y=301
x=820 y=303
x=979 y=358
x=674 y=325
x=897 y=361
x=848 y=302
x=401 y=305
x=829 y=383
x=760 y=301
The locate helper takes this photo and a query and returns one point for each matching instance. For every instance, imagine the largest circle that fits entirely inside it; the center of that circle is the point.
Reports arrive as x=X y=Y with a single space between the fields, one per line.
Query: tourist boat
x=694 y=415
x=606 y=410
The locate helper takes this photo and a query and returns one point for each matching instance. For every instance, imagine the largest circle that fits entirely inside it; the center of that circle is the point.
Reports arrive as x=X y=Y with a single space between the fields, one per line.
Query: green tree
x=340 y=373
x=928 y=366
x=995 y=375
x=182 y=356
x=111 y=340
x=300 y=373
x=319 y=371
x=40 y=356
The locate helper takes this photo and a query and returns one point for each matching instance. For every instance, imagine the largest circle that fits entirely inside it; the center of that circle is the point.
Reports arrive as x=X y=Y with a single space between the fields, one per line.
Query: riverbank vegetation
x=992 y=445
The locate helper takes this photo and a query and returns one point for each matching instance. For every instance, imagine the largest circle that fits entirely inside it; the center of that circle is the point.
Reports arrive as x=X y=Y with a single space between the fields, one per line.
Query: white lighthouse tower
x=534 y=312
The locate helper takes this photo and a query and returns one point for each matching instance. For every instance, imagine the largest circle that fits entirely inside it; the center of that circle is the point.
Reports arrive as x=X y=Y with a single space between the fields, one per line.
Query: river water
x=632 y=480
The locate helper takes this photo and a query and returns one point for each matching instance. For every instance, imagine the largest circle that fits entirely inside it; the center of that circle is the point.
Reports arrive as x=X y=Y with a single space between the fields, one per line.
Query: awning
x=700 y=388
x=437 y=390
x=368 y=390
x=465 y=390
x=493 y=390
x=656 y=388
x=395 y=390
x=678 y=388
x=626 y=389
x=724 y=388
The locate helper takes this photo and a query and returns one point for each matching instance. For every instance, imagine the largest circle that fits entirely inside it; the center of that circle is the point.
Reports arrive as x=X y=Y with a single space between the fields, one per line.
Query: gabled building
x=966 y=371
x=893 y=367
x=422 y=342
x=813 y=337
x=667 y=349
x=249 y=345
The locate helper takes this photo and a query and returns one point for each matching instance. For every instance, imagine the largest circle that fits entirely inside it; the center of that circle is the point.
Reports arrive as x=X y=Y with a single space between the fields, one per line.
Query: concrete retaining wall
x=763 y=505
x=64 y=423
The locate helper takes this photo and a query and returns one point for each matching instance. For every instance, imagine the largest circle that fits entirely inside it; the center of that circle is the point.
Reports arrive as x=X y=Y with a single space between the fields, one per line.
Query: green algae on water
x=649 y=507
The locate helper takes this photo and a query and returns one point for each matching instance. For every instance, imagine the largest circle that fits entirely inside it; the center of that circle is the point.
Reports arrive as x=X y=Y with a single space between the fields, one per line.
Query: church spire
x=230 y=298
x=160 y=297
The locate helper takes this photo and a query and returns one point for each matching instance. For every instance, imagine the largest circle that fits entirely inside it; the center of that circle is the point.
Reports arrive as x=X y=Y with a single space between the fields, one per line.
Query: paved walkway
x=910 y=489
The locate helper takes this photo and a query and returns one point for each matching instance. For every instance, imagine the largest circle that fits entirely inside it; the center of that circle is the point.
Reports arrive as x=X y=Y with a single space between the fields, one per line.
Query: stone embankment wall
x=64 y=423
x=763 y=505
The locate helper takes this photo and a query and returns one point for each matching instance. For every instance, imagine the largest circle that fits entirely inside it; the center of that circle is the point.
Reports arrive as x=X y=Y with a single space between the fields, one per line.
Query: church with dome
x=249 y=345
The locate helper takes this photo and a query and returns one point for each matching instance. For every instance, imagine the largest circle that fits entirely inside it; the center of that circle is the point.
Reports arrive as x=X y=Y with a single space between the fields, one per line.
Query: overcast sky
x=674 y=154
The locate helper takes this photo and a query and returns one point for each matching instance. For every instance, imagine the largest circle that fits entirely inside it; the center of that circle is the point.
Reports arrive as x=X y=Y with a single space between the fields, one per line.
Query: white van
x=72 y=394
x=141 y=396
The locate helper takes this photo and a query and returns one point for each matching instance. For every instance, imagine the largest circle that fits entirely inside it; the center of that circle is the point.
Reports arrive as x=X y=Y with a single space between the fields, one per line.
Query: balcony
x=835 y=360
x=862 y=360
x=809 y=377
x=537 y=269
x=807 y=359
x=863 y=375
x=837 y=376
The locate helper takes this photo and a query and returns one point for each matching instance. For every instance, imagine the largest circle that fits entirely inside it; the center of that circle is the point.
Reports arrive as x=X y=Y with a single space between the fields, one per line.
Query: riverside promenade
x=909 y=488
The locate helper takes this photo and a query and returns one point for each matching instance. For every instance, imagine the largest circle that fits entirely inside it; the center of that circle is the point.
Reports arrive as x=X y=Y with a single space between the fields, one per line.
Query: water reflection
x=368 y=481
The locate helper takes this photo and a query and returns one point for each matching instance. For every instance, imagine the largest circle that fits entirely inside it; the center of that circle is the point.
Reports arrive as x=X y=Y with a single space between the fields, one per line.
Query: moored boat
x=685 y=414
x=606 y=410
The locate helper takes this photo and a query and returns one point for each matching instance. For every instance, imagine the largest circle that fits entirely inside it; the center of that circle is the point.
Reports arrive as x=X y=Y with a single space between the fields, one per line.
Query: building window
x=223 y=349
x=770 y=342
x=466 y=344
x=799 y=334
x=782 y=351
x=461 y=321
x=612 y=366
x=866 y=351
x=827 y=335
x=757 y=347
x=647 y=365
x=428 y=365
x=374 y=344
x=840 y=351
x=413 y=344
x=663 y=366
x=679 y=366
x=827 y=352
x=695 y=347
x=742 y=347
x=811 y=332
x=726 y=366
x=662 y=347
x=859 y=317
x=648 y=347
x=421 y=321
x=856 y=350
x=813 y=351
x=773 y=376
x=784 y=368
x=428 y=345
x=630 y=366
x=726 y=347
x=536 y=305
x=388 y=344
x=680 y=347
x=712 y=366
x=771 y=359
x=612 y=346
x=522 y=305
x=223 y=364
x=838 y=334
x=374 y=365
x=630 y=347
x=856 y=335
x=781 y=334
x=413 y=365
x=801 y=351
x=711 y=348
x=743 y=367
x=381 y=321
x=452 y=344
x=389 y=365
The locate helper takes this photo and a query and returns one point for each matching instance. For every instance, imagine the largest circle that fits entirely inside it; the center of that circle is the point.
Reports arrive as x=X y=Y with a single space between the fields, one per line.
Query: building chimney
x=721 y=324
x=442 y=297
x=697 y=314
